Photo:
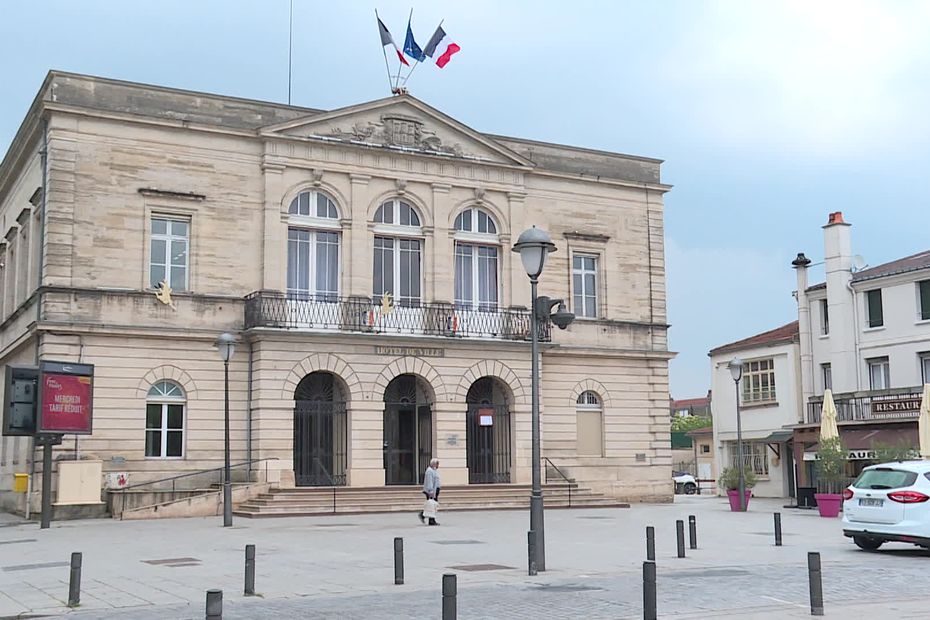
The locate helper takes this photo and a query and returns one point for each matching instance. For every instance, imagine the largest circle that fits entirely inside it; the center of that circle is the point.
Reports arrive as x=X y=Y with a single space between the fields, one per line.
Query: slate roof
x=915 y=262
x=785 y=333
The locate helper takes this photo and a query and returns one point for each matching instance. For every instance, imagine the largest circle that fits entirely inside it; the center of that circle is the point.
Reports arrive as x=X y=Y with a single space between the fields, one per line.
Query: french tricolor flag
x=441 y=42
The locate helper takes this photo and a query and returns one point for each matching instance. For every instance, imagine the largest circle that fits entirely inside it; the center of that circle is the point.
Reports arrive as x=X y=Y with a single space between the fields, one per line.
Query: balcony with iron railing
x=271 y=309
x=873 y=406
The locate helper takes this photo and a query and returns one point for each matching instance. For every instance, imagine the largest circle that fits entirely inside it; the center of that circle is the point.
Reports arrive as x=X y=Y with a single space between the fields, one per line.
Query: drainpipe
x=43 y=157
x=855 y=309
x=248 y=419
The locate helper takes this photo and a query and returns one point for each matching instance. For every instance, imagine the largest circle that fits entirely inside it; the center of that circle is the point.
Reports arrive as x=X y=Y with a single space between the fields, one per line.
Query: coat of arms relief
x=397 y=130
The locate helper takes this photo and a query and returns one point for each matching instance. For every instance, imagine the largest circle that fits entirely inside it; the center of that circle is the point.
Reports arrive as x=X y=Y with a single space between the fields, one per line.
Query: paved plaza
x=341 y=566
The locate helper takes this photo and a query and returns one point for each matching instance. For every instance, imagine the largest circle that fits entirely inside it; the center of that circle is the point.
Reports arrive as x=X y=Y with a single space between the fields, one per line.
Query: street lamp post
x=736 y=371
x=226 y=345
x=534 y=245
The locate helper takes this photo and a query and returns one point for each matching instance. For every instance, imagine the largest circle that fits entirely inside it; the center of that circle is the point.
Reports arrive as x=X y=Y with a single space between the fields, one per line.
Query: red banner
x=66 y=403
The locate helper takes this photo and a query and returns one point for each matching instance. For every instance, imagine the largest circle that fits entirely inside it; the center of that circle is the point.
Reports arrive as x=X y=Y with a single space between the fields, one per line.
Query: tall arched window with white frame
x=165 y=409
x=398 y=253
x=477 y=264
x=313 y=257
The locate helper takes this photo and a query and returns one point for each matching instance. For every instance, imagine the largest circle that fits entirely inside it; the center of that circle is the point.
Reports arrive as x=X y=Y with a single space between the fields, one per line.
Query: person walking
x=431 y=487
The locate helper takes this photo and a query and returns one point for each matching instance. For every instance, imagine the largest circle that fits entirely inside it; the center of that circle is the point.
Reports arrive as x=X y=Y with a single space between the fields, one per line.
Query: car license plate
x=865 y=501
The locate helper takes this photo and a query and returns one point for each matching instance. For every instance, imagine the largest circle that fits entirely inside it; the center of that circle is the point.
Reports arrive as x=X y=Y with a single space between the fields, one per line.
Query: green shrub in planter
x=729 y=479
x=830 y=465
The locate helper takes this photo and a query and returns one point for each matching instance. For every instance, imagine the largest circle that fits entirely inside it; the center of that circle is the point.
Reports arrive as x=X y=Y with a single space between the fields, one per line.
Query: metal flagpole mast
x=290 y=49
x=400 y=68
x=386 y=66
x=418 y=61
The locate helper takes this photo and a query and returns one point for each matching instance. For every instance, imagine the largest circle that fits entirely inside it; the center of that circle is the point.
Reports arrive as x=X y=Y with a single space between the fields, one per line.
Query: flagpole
x=290 y=49
x=400 y=68
x=418 y=61
x=386 y=66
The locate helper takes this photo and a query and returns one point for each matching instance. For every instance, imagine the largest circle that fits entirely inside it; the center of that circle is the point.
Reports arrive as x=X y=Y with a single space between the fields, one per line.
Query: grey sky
x=769 y=115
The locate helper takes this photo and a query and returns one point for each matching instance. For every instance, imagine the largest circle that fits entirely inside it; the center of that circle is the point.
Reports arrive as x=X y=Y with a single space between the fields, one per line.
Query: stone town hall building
x=363 y=258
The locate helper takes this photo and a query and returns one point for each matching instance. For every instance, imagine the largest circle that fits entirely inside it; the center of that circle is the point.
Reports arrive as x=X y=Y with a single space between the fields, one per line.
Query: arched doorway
x=408 y=429
x=320 y=430
x=487 y=431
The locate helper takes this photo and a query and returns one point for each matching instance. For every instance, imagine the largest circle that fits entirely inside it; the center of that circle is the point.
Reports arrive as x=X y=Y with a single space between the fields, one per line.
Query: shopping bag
x=430 y=507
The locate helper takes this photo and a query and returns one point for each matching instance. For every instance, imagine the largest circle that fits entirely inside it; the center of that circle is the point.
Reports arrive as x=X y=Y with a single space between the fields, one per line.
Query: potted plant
x=729 y=480
x=830 y=466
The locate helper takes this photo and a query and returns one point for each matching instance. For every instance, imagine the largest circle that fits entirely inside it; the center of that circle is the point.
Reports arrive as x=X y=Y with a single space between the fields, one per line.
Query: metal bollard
x=778 y=529
x=449 y=592
x=680 y=529
x=813 y=575
x=650 y=543
x=249 y=589
x=74 y=584
x=398 y=561
x=649 y=591
x=692 y=531
x=214 y=605
x=531 y=553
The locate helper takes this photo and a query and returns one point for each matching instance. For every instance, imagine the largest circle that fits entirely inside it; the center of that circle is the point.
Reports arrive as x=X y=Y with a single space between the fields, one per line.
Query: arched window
x=398 y=253
x=477 y=248
x=590 y=424
x=588 y=400
x=313 y=247
x=164 y=421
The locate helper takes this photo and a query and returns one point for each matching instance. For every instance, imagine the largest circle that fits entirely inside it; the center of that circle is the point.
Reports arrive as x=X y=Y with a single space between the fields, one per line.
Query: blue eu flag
x=411 y=48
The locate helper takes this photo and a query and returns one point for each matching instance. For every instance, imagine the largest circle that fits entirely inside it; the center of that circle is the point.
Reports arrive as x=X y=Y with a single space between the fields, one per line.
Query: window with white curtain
x=313 y=239
x=477 y=265
x=398 y=253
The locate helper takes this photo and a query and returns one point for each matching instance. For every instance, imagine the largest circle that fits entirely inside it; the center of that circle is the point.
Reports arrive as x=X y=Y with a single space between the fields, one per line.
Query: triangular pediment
x=401 y=124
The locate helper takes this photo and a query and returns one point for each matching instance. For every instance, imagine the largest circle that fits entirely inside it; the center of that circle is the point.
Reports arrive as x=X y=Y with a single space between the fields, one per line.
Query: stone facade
x=97 y=161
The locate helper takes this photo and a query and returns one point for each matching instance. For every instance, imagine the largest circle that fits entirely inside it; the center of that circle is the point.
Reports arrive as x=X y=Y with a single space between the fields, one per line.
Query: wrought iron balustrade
x=884 y=405
x=363 y=315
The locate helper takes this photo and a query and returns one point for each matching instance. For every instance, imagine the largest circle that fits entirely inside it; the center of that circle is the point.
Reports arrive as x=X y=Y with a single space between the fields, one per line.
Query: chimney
x=837 y=244
x=800 y=265
x=841 y=303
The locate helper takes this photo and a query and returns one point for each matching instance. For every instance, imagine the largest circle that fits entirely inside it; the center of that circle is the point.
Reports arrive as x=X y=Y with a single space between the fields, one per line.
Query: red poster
x=66 y=403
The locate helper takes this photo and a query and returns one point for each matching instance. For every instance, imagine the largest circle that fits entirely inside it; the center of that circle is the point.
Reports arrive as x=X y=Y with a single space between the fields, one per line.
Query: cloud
x=716 y=296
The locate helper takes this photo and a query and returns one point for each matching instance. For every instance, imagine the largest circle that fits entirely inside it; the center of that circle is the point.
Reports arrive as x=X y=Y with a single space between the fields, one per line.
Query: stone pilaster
x=443 y=252
x=274 y=249
x=450 y=443
x=357 y=265
x=366 y=444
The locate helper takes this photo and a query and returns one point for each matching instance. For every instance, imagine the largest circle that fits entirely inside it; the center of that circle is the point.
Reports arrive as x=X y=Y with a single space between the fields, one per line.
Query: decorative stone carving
x=317 y=176
x=479 y=195
x=401 y=186
x=397 y=130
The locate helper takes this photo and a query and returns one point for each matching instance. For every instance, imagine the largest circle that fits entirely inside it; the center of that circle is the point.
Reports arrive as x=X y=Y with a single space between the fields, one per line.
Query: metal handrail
x=564 y=477
x=173 y=479
x=329 y=477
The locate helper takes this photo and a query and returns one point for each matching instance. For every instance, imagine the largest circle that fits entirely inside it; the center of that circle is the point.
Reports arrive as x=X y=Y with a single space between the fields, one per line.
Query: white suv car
x=889 y=502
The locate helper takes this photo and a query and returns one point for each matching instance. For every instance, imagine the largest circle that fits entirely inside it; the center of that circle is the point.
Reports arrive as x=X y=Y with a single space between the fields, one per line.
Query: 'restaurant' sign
x=895 y=408
x=66 y=398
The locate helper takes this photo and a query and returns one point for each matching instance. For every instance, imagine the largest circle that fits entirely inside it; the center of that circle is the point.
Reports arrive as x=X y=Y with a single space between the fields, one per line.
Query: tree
x=690 y=423
x=830 y=465
x=888 y=453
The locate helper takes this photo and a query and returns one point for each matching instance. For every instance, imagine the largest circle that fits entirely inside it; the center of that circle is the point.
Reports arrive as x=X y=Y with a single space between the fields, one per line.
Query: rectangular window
x=923 y=300
x=879 y=373
x=874 y=308
x=827 y=374
x=312 y=264
x=487 y=278
x=169 y=253
x=759 y=381
x=409 y=272
x=464 y=277
x=705 y=448
x=476 y=282
x=164 y=430
x=755 y=457
x=824 y=317
x=584 y=285
x=383 y=281
x=924 y=368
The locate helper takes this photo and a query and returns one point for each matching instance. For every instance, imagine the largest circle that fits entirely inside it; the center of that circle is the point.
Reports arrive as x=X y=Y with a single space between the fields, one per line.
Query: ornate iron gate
x=408 y=432
x=487 y=433
x=320 y=432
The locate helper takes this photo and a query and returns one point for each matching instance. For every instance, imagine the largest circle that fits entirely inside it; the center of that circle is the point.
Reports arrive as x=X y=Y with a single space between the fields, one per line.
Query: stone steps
x=309 y=501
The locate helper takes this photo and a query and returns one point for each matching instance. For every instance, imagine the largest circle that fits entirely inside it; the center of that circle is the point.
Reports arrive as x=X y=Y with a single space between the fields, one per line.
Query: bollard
x=680 y=528
x=650 y=543
x=398 y=561
x=778 y=529
x=813 y=575
x=74 y=584
x=449 y=592
x=649 y=591
x=531 y=552
x=692 y=531
x=249 y=570
x=214 y=605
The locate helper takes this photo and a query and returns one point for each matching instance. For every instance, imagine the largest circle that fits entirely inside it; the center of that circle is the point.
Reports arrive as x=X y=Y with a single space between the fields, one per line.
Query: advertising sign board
x=66 y=398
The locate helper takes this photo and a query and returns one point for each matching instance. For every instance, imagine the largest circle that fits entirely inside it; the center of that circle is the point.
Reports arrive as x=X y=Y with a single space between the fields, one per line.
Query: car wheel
x=868 y=544
x=690 y=488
